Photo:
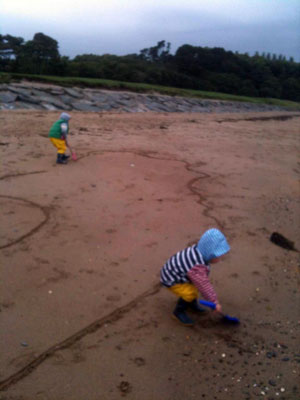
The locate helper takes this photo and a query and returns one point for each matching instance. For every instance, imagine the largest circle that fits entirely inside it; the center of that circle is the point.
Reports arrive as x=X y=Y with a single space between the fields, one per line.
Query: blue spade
x=226 y=318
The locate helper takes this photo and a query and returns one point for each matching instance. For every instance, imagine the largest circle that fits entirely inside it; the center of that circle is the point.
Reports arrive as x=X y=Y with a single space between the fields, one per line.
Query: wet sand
x=82 y=313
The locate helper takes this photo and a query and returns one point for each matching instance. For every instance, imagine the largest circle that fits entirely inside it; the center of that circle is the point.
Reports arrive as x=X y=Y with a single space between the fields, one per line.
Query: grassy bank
x=144 y=88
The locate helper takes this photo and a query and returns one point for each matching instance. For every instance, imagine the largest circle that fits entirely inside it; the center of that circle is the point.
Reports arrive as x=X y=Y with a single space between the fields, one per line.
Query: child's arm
x=199 y=277
x=63 y=131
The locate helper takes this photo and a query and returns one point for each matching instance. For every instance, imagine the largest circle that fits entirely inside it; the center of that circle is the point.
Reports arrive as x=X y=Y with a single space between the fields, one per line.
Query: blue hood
x=212 y=244
x=65 y=116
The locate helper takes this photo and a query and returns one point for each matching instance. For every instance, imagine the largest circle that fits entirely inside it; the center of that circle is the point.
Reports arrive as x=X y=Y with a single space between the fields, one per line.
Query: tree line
x=191 y=67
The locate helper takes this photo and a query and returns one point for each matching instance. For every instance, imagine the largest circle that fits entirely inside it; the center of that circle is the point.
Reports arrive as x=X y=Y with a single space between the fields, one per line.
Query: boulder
x=34 y=95
x=74 y=93
x=84 y=106
x=7 y=97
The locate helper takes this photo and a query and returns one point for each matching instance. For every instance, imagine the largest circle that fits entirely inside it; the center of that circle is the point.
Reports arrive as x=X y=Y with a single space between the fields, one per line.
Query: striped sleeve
x=177 y=267
x=199 y=277
x=198 y=256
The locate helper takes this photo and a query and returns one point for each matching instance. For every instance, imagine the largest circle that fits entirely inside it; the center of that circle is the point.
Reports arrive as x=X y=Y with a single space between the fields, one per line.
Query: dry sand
x=82 y=313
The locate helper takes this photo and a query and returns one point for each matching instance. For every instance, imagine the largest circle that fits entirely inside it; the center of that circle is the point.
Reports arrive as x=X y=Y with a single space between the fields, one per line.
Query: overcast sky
x=126 y=26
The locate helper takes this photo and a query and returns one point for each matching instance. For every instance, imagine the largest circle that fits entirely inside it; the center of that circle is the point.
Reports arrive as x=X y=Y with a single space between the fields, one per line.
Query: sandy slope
x=82 y=314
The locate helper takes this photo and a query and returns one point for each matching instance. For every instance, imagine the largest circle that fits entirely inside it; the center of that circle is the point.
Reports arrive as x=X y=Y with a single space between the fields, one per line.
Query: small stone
x=271 y=354
x=282 y=389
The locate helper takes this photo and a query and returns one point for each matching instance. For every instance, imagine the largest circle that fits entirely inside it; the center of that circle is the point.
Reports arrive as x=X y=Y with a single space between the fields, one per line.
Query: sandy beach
x=83 y=315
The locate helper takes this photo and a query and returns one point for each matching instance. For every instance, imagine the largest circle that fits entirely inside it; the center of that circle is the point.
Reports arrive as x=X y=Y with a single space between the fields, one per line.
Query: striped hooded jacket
x=191 y=265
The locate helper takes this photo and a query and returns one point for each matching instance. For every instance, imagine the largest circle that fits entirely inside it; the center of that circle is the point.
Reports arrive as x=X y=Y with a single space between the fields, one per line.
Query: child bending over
x=186 y=274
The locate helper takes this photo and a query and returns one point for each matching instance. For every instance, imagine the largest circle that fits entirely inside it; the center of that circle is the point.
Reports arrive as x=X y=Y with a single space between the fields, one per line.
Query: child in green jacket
x=58 y=136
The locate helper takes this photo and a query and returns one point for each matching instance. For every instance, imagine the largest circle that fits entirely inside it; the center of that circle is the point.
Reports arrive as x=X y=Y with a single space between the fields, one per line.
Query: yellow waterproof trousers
x=187 y=291
x=59 y=144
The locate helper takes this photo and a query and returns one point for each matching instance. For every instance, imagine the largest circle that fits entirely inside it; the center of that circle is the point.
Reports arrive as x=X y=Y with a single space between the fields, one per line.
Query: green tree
x=270 y=88
x=40 y=54
x=10 y=47
x=158 y=53
x=291 y=89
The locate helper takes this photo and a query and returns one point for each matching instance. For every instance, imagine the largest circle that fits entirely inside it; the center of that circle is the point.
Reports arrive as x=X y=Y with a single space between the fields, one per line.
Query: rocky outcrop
x=39 y=96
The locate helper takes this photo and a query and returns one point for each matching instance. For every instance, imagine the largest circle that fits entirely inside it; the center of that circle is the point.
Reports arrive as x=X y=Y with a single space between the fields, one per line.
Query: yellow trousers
x=59 y=144
x=187 y=291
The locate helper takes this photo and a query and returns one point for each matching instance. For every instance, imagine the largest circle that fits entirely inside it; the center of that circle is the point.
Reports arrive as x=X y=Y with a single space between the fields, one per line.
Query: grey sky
x=127 y=26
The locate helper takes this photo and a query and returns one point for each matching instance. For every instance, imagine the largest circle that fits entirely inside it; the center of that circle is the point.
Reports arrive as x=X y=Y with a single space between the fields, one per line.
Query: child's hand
x=217 y=313
x=218 y=308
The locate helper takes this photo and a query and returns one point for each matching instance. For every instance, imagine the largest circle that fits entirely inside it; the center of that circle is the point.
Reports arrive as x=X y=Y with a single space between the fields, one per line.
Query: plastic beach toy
x=225 y=318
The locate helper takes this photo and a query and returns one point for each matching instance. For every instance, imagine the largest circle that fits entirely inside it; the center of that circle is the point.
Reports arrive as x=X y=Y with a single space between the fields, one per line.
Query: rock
x=57 y=91
x=125 y=387
x=19 y=90
x=135 y=109
x=282 y=241
x=31 y=95
x=97 y=97
x=20 y=105
x=152 y=106
x=73 y=93
x=55 y=102
x=7 y=97
x=7 y=106
x=84 y=106
x=49 y=107
x=103 y=107
x=27 y=98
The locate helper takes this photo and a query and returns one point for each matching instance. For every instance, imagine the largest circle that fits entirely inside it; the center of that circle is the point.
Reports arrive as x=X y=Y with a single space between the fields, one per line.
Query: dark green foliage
x=10 y=48
x=40 y=55
x=191 y=67
x=158 y=53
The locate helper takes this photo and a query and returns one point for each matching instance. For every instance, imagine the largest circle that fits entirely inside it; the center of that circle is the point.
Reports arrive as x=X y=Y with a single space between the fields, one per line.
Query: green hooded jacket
x=56 y=130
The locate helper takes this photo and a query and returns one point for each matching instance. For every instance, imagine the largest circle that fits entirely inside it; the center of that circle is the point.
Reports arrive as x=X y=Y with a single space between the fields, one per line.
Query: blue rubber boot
x=60 y=159
x=65 y=157
x=180 y=315
x=195 y=306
